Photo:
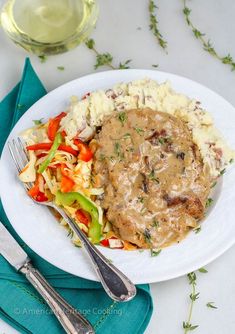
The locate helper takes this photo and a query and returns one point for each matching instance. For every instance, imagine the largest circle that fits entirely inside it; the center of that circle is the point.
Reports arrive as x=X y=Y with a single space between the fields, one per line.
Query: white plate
x=37 y=227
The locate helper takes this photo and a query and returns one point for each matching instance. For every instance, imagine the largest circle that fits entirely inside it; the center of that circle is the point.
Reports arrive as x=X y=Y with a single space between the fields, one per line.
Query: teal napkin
x=20 y=305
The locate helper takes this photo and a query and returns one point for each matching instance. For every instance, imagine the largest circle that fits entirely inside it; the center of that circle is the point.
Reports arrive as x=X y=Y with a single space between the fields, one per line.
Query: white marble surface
x=117 y=33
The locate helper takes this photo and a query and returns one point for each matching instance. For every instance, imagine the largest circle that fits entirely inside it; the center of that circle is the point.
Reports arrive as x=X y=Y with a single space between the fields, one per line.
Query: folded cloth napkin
x=20 y=305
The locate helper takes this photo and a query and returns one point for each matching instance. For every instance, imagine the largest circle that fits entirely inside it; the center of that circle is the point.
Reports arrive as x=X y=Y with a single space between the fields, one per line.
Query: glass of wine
x=47 y=27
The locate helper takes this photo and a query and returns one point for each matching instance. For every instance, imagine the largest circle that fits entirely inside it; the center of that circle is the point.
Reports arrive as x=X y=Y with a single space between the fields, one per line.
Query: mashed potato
x=84 y=115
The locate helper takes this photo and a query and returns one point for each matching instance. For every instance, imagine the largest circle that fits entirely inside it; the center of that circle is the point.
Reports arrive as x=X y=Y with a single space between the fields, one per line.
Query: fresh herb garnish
x=163 y=140
x=60 y=68
x=209 y=201
x=222 y=171
x=187 y=325
x=206 y=43
x=153 y=177
x=154 y=25
x=101 y=157
x=104 y=59
x=70 y=233
x=203 y=270
x=231 y=161
x=141 y=199
x=155 y=65
x=117 y=150
x=147 y=235
x=214 y=184
x=155 y=252
x=37 y=121
x=43 y=58
x=127 y=135
x=122 y=117
x=210 y=305
x=139 y=131
x=155 y=223
x=197 y=229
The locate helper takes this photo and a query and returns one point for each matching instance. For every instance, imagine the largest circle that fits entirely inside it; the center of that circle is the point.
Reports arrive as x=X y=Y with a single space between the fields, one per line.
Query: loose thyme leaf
x=90 y=43
x=42 y=58
x=210 y=305
x=154 y=25
x=203 y=270
x=223 y=171
x=60 y=68
x=155 y=252
x=155 y=223
x=139 y=131
x=197 y=229
x=206 y=43
x=209 y=201
x=122 y=117
x=147 y=235
x=153 y=177
x=70 y=233
x=214 y=184
x=37 y=121
x=155 y=65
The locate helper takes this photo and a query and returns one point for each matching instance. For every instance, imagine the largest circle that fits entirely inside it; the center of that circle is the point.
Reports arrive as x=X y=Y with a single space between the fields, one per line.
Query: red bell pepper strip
x=85 y=153
x=66 y=184
x=68 y=149
x=105 y=242
x=41 y=197
x=54 y=124
x=35 y=193
x=47 y=147
x=82 y=217
x=63 y=134
x=40 y=146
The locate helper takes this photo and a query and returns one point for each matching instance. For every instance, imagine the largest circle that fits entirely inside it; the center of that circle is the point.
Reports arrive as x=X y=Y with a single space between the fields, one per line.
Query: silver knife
x=71 y=320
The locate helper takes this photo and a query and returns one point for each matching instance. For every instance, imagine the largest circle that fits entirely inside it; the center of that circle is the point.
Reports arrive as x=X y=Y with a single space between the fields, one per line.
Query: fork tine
x=24 y=152
x=18 y=151
x=17 y=158
x=13 y=155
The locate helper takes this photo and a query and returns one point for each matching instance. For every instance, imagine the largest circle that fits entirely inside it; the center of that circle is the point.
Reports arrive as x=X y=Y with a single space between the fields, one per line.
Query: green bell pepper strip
x=67 y=199
x=51 y=153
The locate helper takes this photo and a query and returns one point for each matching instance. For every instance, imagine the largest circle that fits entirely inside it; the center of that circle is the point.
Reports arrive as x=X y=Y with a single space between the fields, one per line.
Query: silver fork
x=114 y=282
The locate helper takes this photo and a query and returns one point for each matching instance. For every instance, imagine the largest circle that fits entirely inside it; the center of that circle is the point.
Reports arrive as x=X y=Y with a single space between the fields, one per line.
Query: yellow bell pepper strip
x=51 y=153
x=67 y=199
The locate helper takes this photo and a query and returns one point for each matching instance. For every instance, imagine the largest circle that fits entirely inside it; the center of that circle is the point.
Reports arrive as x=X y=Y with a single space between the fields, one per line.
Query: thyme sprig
x=206 y=43
x=105 y=59
x=153 y=26
x=187 y=325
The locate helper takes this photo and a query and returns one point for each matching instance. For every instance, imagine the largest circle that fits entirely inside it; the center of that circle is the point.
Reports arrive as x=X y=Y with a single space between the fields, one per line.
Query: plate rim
x=142 y=72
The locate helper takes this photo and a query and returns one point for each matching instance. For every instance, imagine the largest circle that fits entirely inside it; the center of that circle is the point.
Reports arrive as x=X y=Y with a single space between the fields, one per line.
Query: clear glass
x=47 y=27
